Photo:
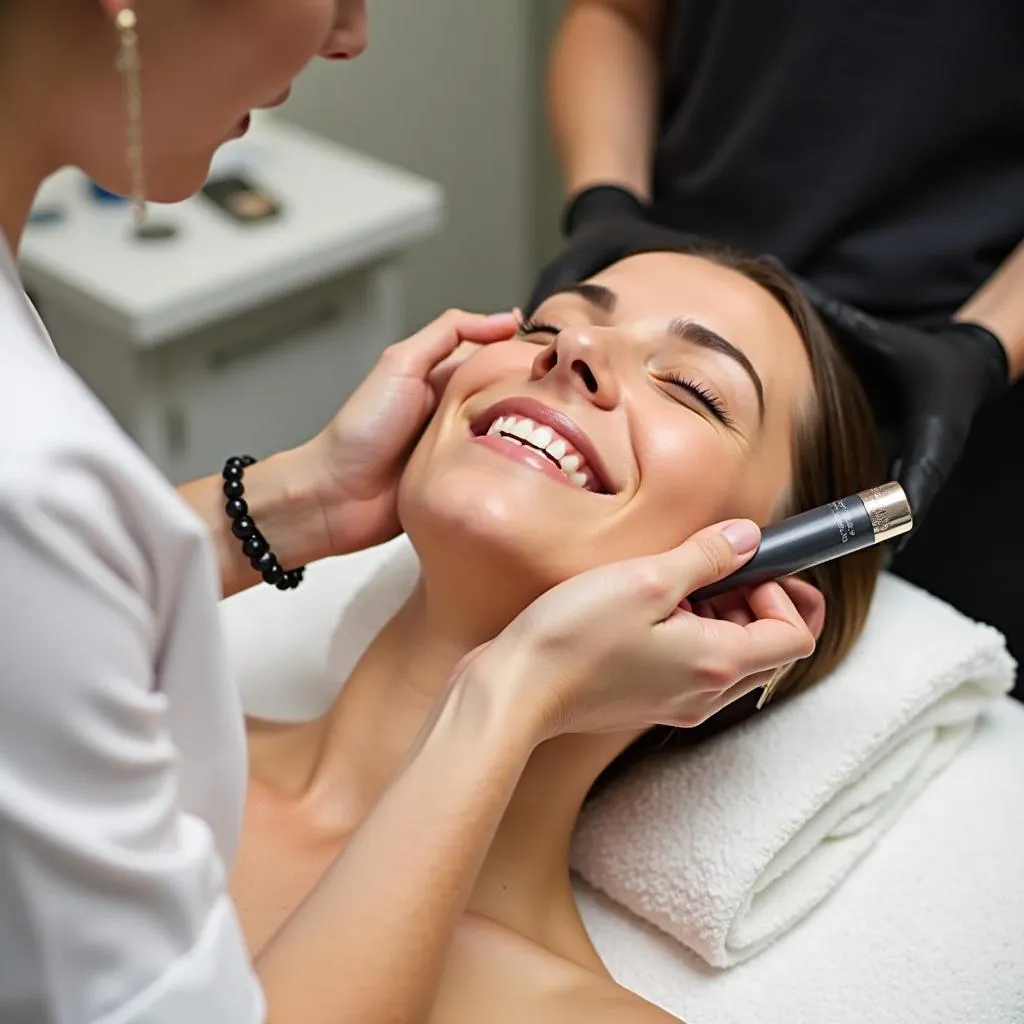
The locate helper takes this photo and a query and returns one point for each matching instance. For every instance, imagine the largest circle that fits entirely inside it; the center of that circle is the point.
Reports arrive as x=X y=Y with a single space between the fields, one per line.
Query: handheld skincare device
x=830 y=531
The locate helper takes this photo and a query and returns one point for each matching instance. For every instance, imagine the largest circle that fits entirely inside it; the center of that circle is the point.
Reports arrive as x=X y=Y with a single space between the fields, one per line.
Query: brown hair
x=837 y=452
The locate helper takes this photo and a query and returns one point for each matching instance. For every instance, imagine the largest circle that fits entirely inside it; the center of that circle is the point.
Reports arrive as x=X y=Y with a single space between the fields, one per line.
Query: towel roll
x=727 y=845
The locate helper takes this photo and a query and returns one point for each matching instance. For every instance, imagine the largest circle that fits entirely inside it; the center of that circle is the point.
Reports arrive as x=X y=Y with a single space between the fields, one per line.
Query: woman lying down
x=670 y=391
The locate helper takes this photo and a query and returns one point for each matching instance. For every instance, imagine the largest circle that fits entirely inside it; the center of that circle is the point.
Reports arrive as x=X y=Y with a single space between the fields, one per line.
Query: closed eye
x=703 y=394
x=529 y=326
x=699 y=391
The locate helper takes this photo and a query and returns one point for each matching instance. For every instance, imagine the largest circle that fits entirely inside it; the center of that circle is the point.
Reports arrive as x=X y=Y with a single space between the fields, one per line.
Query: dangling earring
x=129 y=65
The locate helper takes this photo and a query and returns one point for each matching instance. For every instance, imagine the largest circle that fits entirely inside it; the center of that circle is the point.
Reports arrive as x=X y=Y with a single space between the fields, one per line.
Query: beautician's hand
x=926 y=387
x=602 y=225
x=359 y=457
x=600 y=205
x=618 y=648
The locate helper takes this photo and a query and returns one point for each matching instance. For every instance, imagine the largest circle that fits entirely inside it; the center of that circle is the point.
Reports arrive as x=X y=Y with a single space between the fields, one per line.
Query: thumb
x=708 y=556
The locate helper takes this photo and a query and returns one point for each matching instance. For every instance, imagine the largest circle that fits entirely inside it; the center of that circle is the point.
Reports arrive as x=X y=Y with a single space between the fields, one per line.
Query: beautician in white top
x=122 y=759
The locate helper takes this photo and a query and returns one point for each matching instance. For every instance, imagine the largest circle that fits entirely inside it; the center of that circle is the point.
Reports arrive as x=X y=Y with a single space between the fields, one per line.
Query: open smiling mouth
x=558 y=452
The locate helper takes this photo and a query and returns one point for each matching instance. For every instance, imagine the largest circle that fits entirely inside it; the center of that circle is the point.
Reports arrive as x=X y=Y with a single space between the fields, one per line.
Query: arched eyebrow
x=596 y=294
x=699 y=334
x=689 y=331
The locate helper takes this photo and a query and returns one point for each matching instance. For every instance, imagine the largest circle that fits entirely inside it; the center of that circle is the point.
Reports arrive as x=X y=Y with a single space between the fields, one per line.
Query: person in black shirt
x=876 y=149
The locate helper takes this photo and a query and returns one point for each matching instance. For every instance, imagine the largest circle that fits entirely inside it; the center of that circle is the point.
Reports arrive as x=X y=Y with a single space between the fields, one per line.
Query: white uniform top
x=122 y=751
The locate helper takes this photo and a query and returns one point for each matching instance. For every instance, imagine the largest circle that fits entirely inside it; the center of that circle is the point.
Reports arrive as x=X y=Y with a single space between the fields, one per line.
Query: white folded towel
x=927 y=930
x=728 y=845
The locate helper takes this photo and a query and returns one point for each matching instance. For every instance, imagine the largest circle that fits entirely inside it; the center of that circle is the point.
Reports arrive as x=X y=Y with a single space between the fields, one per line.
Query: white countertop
x=341 y=209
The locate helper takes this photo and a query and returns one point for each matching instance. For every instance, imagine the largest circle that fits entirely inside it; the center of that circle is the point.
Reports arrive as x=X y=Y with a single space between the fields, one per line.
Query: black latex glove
x=600 y=204
x=926 y=387
x=603 y=224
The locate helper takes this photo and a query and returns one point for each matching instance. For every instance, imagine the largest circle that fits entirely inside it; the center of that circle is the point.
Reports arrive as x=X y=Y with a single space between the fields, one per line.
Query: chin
x=489 y=533
x=180 y=182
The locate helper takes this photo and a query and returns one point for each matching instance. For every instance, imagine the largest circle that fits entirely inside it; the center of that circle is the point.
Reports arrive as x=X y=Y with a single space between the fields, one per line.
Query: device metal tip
x=888 y=509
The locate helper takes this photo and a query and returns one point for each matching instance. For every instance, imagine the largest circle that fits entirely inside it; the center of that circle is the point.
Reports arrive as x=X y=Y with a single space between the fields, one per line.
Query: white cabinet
x=233 y=338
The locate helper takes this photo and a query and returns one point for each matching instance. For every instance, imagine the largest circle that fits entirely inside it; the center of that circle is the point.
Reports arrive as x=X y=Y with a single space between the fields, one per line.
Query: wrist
x=998 y=355
x=283 y=499
x=601 y=202
x=483 y=701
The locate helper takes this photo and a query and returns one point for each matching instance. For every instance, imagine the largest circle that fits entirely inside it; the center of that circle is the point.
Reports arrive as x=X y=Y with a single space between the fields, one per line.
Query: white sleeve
x=112 y=899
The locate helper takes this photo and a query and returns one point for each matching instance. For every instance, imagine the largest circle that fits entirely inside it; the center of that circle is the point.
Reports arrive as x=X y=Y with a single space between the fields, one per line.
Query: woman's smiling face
x=659 y=397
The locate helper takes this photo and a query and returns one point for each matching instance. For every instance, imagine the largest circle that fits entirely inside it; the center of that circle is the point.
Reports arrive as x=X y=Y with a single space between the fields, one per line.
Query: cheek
x=292 y=32
x=503 y=366
x=494 y=371
x=694 y=476
x=209 y=68
x=254 y=50
x=691 y=476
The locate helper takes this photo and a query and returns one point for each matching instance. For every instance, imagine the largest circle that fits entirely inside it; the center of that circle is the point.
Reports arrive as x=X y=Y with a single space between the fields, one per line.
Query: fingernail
x=500 y=317
x=743 y=536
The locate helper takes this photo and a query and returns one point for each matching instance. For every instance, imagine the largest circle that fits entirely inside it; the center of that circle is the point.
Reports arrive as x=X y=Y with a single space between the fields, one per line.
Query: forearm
x=370 y=943
x=999 y=306
x=603 y=88
x=280 y=493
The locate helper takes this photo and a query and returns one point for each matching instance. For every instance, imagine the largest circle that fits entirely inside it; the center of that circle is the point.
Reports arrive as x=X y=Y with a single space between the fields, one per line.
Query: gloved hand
x=926 y=387
x=603 y=224
x=600 y=204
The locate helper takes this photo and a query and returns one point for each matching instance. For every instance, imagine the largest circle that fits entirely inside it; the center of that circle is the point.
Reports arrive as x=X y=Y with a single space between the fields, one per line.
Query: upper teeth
x=519 y=429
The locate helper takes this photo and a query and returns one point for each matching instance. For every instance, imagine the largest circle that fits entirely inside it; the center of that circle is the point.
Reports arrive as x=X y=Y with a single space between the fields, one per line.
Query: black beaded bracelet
x=254 y=544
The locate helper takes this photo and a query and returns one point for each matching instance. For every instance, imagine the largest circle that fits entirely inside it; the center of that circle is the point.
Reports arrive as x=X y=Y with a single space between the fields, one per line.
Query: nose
x=350 y=33
x=579 y=358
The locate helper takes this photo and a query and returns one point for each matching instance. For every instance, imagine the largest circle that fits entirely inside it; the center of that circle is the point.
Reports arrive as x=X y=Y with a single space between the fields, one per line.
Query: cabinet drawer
x=269 y=380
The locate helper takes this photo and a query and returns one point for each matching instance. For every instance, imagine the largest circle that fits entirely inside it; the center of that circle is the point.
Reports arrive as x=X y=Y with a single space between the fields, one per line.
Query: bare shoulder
x=591 y=999
x=640 y=1011
x=611 y=1004
x=516 y=980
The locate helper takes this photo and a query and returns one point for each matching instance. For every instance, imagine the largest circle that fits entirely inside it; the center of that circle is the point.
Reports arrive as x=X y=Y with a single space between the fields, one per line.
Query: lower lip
x=526 y=455
x=243 y=126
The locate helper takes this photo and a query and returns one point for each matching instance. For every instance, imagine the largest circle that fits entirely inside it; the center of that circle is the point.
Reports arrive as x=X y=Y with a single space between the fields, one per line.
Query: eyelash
x=708 y=398
x=700 y=391
x=530 y=326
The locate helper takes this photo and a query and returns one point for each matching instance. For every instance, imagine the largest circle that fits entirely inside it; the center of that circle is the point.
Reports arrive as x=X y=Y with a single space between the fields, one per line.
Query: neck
x=362 y=741
x=27 y=80
x=20 y=178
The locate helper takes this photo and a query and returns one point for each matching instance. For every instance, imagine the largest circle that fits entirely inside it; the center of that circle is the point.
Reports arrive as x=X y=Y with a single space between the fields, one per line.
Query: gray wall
x=449 y=89
x=547 y=198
